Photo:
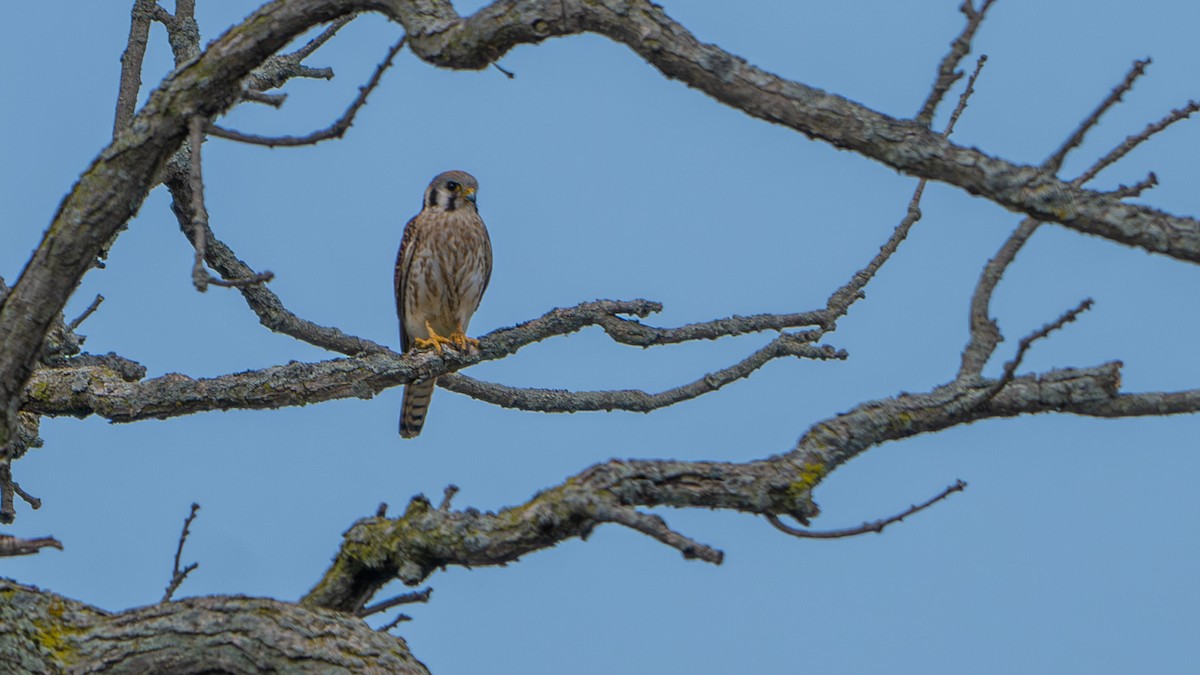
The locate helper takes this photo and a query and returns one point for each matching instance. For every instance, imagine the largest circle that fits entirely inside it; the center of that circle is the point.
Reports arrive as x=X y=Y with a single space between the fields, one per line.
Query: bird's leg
x=434 y=340
x=461 y=341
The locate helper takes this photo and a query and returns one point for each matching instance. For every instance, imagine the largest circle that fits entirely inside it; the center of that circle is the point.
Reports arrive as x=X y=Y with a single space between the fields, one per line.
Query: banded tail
x=416 y=404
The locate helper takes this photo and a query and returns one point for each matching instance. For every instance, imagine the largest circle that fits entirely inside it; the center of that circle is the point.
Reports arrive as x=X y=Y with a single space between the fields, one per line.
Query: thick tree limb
x=110 y=191
x=901 y=144
x=411 y=547
x=102 y=387
x=41 y=632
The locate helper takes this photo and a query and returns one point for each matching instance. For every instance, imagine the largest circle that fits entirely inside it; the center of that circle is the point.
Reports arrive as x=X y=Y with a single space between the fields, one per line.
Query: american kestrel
x=442 y=270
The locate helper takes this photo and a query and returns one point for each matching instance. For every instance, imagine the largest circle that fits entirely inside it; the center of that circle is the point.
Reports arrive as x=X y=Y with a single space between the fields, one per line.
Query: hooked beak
x=469 y=193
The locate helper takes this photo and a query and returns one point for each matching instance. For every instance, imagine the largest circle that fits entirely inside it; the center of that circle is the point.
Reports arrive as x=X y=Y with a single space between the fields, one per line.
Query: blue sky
x=1073 y=550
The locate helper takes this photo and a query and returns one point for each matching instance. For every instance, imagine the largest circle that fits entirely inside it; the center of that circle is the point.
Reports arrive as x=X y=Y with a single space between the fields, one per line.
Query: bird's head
x=451 y=190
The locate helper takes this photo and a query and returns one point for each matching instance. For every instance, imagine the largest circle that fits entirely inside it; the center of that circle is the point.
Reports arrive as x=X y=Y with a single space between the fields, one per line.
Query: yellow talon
x=434 y=340
x=461 y=341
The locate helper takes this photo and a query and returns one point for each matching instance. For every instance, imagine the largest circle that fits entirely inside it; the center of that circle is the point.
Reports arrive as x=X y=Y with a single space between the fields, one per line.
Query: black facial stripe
x=433 y=198
x=451 y=201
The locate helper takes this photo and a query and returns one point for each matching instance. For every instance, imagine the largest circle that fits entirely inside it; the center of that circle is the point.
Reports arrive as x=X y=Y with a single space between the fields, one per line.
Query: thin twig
x=200 y=277
x=1055 y=161
x=876 y=526
x=179 y=574
x=335 y=130
x=634 y=400
x=400 y=618
x=507 y=73
x=315 y=43
x=403 y=599
x=448 y=496
x=9 y=489
x=1137 y=139
x=947 y=69
x=265 y=304
x=1135 y=190
x=965 y=96
x=985 y=334
x=1010 y=368
x=86 y=313
x=840 y=301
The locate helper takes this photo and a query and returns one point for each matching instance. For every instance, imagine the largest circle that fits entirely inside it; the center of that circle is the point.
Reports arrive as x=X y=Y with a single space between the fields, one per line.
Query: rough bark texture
x=113 y=188
x=41 y=632
x=411 y=547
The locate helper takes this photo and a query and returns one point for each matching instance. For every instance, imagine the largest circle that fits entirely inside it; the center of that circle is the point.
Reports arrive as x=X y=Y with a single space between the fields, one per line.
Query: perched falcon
x=442 y=270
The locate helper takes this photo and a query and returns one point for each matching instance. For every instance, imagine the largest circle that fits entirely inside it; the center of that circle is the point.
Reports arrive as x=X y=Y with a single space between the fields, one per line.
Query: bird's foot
x=464 y=343
x=434 y=341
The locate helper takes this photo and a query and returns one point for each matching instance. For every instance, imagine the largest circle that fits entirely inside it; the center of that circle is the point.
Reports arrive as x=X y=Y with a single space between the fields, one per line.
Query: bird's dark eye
x=452 y=186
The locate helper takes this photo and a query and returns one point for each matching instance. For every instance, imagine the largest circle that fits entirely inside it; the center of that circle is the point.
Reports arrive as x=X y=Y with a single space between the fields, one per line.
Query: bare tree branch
x=396 y=621
x=985 y=333
x=1010 y=368
x=402 y=599
x=635 y=400
x=195 y=635
x=317 y=42
x=10 y=489
x=262 y=301
x=1054 y=162
x=1156 y=403
x=178 y=574
x=965 y=97
x=92 y=388
x=948 y=72
x=638 y=334
x=655 y=527
x=280 y=68
x=422 y=540
x=25 y=437
x=13 y=546
x=335 y=130
x=841 y=300
x=109 y=192
x=83 y=316
x=131 y=62
x=1127 y=146
x=876 y=526
x=199 y=225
